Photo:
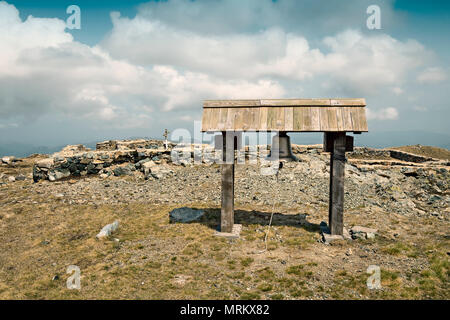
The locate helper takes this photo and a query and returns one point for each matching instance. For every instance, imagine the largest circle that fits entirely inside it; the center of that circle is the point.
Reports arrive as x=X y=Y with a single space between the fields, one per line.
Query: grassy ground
x=151 y=258
x=426 y=151
x=156 y=259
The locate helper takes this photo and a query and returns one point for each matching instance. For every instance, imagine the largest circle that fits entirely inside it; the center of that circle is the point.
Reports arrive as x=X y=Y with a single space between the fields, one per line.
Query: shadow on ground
x=211 y=218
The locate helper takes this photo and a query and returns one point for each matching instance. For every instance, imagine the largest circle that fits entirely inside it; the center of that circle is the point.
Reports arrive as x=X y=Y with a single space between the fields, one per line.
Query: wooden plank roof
x=294 y=115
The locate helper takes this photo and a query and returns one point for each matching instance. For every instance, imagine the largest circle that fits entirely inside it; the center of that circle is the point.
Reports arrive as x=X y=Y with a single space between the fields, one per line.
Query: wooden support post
x=337 y=170
x=227 y=210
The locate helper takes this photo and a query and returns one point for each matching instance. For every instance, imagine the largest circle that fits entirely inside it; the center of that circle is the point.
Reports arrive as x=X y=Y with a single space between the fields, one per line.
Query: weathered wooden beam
x=227 y=210
x=283 y=102
x=337 y=170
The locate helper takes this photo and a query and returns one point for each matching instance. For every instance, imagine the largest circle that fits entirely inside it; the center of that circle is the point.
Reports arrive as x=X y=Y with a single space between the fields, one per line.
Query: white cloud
x=43 y=70
x=157 y=66
x=8 y=125
x=250 y=16
x=420 y=108
x=397 y=90
x=382 y=114
x=432 y=75
x=355 y=61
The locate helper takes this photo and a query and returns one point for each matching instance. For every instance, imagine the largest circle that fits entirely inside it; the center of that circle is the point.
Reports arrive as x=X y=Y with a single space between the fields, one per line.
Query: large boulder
x=45 y=163
x=8 y=159
x=185 y=215
x=58 y=174
x=123 y=171
x=147 y=166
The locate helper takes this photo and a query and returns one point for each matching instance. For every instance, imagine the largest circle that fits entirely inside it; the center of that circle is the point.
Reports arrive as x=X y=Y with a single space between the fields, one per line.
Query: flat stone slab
x=327 y=238
x=234 y=234
x=185 y=215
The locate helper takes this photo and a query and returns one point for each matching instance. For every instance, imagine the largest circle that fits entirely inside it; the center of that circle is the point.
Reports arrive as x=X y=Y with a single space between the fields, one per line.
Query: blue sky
x=138 y=67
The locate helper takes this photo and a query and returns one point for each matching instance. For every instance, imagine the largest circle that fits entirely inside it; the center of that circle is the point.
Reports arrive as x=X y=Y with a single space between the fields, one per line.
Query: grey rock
x=139 y=164
x=434 y=198
x=122 y=171
x=45 y=163
x=328 y=238
x=358 y=232
x=185 y=215
x=147 y=167
x=58 y=174
x=8 y=159
x=370 y=235
x=108 y=230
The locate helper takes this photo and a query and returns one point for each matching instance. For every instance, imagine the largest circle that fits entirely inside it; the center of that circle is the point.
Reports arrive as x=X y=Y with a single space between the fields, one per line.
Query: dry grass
x=426 y=151
x=156 y=259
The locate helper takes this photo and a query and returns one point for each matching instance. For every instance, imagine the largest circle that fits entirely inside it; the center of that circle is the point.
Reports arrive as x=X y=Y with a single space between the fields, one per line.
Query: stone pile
x=112 y=158
x=9 y=160
x=126 y=157
x=131 y=144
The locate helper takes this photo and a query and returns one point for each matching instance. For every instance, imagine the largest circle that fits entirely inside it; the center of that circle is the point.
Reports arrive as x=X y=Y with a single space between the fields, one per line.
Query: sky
x=135 y=68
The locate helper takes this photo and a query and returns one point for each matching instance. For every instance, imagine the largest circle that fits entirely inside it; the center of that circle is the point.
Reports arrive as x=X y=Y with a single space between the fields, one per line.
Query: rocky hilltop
x=389 y=178
x=53 y=206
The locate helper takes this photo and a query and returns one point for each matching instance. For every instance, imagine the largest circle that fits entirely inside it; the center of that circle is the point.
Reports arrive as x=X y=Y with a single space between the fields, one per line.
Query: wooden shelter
x=334 y=117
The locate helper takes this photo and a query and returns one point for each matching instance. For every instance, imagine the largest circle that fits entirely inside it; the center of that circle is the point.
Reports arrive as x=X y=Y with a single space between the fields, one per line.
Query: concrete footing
x=234 y=234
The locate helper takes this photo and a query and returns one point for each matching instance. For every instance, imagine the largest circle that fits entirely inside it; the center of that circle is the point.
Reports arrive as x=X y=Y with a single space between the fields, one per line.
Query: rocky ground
x=48 y=225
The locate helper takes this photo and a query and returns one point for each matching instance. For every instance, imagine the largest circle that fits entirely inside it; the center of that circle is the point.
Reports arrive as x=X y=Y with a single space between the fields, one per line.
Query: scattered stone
x=58 y=174
x=159 y=171
x=108 y=230
x=45 y=163
x=328 y=238
x=139 y=164
x=11 y=179
x=370 y=235
x=185 y=215
x=147 y=167
x=8 y=160
x=180 y=280
x=20 y=178
x=435 y=214
x=122 y=171
x=434 y=198
x=358 y=232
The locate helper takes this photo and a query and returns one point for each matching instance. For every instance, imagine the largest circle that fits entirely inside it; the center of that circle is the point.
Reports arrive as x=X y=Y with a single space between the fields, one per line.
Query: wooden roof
x=294 y=115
